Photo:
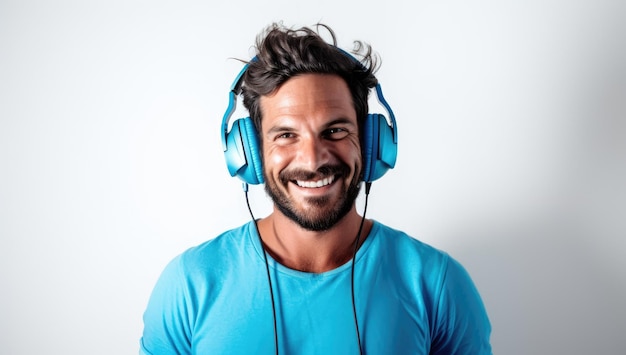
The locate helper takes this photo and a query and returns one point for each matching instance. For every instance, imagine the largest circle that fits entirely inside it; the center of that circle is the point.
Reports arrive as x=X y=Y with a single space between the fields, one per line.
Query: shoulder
x=225 y=245
x=414 y=255
x=214 y=255
x=191 y=281
x=407 y=249
x=458 y=314
x=416 y=268
x=419 y=264
x=203 y=266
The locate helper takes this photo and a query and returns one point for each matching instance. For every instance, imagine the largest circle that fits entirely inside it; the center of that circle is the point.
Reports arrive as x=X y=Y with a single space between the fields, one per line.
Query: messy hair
x=282 y=53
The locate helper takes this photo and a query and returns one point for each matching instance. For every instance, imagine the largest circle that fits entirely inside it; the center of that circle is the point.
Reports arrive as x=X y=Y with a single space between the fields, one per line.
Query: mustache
x=322 y=172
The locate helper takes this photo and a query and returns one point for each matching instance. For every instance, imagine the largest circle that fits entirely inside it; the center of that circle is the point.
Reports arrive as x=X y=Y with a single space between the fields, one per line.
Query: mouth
x=320 y=180
x=314 y=184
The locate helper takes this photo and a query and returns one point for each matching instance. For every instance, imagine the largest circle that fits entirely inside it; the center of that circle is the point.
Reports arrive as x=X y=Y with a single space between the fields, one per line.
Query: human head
x=283 y=53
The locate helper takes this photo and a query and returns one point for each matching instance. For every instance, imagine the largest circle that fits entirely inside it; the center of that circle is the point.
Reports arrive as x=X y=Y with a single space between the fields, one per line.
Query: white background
x=512 y=127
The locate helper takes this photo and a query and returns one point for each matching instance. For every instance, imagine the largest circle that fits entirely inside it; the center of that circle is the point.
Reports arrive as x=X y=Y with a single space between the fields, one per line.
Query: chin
x=317 y=213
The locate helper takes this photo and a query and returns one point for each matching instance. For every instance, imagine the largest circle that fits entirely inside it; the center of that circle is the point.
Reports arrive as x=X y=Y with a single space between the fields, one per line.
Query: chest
x=314 y=315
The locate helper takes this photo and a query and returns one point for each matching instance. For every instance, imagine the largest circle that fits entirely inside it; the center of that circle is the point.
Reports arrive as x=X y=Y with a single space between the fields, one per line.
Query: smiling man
x=312 y=162
x=314 y=276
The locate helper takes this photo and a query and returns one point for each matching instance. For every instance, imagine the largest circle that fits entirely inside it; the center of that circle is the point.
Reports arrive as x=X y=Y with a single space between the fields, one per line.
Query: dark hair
x=283 y=53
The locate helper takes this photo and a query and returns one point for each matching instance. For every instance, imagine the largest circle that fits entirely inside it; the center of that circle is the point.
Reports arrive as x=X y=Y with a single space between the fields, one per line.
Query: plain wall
x=512 y=129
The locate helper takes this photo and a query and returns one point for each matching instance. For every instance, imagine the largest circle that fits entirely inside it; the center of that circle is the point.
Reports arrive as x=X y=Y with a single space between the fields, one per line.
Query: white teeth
x=318 y=183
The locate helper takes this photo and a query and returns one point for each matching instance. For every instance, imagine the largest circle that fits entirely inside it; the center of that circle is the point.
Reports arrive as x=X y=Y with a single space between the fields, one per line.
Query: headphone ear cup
x=379 y=149
x=242 y=152
x=369 y=144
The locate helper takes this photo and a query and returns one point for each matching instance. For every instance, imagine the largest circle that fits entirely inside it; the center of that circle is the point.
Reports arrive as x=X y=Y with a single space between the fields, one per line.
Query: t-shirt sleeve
x=461 y=322
x=167 y=325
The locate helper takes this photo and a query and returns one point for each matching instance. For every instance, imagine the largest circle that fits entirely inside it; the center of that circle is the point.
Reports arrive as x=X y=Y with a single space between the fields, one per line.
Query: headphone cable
x=368 y=185
x=267 y=267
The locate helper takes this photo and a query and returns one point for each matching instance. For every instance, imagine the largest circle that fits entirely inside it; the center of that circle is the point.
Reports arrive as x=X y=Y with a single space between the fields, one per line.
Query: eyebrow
x=277 y=129
x=341 y=121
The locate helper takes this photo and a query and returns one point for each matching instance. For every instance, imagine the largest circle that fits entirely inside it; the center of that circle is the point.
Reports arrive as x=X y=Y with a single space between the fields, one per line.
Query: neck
x=312 y=251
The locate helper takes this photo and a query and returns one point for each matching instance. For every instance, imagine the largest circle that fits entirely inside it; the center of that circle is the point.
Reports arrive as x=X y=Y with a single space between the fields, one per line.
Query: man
x=313 y=277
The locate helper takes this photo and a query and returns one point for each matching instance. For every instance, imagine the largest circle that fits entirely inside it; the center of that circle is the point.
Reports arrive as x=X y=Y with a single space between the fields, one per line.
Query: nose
x=313 y=152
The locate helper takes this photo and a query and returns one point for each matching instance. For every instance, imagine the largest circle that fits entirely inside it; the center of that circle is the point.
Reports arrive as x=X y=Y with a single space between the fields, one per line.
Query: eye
x=284 y=138
x=285 y=135
x=336 y=133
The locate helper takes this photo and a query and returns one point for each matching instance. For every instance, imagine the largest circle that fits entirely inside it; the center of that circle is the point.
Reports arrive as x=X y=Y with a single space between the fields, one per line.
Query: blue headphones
x=242 y=150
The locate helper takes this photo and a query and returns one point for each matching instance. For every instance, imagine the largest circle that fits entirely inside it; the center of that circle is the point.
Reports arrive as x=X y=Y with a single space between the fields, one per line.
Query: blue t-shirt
x=410 y=299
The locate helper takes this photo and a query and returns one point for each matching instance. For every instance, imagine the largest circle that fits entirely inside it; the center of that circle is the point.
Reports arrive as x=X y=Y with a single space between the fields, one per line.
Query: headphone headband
x=235 y=90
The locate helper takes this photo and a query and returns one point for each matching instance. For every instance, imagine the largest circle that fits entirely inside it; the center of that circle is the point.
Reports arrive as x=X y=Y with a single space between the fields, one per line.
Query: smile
x=316 y=184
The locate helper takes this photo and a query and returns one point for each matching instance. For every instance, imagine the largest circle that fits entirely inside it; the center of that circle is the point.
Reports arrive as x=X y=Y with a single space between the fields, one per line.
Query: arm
x=461 y=325
x=167 y=328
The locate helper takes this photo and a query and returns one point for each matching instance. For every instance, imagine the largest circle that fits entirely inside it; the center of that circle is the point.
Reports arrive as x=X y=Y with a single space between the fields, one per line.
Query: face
x=311 y=150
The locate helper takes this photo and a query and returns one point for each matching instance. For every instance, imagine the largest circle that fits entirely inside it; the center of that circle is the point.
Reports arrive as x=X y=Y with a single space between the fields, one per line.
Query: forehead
x=309 y=97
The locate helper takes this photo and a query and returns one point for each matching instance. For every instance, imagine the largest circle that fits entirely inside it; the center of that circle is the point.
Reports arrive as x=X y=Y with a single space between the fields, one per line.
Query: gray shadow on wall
x=554 y=281
x=548 y=291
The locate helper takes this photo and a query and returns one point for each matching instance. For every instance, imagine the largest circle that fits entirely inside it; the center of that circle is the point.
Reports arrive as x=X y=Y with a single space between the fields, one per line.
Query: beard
x=324 y=214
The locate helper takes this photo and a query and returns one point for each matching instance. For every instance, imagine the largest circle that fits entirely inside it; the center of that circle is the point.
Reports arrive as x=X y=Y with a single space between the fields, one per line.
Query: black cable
x=267 y=266
x=368 y=185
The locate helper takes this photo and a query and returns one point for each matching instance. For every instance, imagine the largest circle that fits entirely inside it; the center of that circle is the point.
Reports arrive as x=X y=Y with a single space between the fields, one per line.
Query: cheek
x=357 y=155
x=274 y=160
